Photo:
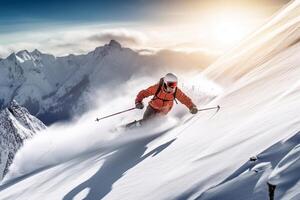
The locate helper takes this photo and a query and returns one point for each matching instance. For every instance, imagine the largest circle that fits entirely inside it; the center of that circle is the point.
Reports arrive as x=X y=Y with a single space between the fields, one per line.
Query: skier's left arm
x=184 y=99
x=143 y=94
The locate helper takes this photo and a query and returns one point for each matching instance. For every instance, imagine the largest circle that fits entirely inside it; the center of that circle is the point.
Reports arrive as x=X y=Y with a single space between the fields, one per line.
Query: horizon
x=139 y=51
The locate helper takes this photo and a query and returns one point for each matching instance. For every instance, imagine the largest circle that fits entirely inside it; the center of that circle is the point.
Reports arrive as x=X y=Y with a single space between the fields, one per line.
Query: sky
x=76 y=26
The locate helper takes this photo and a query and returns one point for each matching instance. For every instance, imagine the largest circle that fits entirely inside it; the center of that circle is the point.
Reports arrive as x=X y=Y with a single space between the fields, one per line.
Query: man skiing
x=164 y=94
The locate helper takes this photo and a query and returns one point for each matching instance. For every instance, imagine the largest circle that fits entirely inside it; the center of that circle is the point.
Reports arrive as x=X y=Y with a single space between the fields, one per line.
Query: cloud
x=6 y=50
x=122 y=37
x=83 y=39
x=3 y=52
x=76 y=40
x=66 y=45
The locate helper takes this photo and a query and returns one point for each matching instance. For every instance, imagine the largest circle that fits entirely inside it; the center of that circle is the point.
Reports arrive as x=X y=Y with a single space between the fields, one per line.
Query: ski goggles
x=171 y=84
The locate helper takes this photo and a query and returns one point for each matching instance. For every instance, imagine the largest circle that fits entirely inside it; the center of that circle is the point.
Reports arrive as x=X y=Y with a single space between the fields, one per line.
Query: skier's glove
x=194 y=110
x=139 y=105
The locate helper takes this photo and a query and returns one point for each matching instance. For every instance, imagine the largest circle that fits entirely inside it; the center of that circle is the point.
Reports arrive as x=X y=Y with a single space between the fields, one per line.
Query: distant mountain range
x=54 y=88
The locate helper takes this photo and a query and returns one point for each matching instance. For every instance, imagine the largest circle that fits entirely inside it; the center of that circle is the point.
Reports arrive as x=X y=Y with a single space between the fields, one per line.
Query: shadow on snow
x=115 y=166
x=246 y=182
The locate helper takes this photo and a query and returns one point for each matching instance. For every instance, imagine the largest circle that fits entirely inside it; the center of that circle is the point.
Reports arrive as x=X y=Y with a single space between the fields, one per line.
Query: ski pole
x=211 y=108
x=117 y=113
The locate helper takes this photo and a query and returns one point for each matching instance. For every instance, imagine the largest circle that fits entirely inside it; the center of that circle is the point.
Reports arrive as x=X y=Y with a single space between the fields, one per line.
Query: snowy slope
x=201 y=157
x=16 y=125
x=56 y=88
x=277 y=165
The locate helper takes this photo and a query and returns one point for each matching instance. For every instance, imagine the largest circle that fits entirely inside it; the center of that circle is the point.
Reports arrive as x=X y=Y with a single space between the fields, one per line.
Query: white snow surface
x=205 y=156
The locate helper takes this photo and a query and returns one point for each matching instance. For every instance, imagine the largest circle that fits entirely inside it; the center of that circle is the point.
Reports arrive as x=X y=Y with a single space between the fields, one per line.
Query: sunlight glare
x=227 y=28
x=229 y=31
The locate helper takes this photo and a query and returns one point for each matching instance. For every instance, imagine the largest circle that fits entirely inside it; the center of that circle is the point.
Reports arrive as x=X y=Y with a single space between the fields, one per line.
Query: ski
x=134 y=124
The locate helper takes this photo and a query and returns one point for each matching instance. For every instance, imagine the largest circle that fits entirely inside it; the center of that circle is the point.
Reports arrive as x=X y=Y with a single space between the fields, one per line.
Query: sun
x=227 y=28
x=228 y=31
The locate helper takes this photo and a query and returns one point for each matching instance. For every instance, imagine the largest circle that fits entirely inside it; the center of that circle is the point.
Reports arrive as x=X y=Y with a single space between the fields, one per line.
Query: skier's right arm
x=146 y=93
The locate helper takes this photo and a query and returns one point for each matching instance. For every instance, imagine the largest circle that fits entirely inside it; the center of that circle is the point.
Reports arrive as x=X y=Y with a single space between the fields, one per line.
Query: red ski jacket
x=163 y=101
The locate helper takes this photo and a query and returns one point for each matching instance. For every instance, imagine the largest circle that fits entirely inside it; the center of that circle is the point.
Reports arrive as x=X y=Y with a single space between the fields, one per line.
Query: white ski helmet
x=170 y=80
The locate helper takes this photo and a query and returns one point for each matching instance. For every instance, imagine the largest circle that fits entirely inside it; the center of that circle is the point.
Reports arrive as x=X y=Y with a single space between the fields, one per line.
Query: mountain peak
x=114 y=43
x=104 y=50
x=12 y=56
x=22 y=52
x=24 y=55
x=14 y=103
x=36 y=52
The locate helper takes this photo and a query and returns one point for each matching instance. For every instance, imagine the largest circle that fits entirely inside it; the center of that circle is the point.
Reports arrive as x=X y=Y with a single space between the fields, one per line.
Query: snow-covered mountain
x=55 y=88
x=186 y=157
x=16 y=125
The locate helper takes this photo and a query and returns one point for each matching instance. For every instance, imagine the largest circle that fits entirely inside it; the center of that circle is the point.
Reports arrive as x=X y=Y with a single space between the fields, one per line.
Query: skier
x=164 y=94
